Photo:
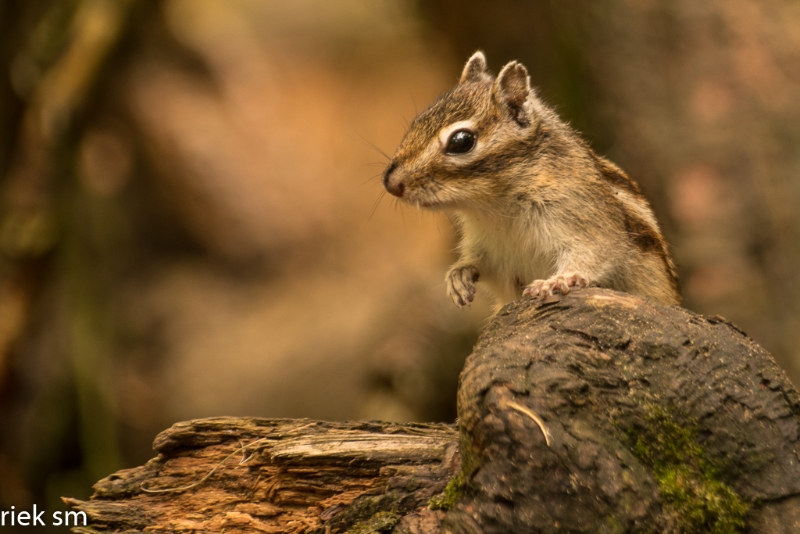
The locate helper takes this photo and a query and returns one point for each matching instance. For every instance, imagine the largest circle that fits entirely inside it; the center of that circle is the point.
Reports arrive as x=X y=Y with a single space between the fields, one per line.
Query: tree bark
x=591 y=412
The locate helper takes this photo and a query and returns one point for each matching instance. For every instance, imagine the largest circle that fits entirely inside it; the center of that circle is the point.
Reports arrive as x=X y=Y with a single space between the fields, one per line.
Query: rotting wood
x=659 y=420
x=298 y=476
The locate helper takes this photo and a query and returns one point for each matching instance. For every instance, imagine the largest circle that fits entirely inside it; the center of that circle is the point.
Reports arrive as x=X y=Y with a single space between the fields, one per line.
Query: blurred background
x=192 y=221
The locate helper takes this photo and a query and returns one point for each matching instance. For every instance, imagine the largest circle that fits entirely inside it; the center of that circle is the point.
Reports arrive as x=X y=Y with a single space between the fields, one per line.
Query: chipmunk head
x=480 y=128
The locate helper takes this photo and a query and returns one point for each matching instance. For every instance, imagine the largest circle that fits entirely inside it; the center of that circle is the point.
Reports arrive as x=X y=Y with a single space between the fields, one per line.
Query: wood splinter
x=536 y=419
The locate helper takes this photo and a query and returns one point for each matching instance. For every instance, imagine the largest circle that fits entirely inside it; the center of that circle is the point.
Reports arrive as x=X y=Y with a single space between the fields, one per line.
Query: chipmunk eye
x=460 y=142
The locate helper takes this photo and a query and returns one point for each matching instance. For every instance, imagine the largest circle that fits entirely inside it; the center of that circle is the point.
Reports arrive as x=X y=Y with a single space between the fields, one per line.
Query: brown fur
x=539 y=211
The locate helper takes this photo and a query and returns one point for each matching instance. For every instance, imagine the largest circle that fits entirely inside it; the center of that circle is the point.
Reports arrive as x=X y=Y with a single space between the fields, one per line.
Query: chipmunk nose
x=393 y=184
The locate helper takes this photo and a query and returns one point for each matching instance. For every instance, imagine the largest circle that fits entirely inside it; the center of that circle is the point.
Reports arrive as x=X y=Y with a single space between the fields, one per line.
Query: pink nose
x=393 y=184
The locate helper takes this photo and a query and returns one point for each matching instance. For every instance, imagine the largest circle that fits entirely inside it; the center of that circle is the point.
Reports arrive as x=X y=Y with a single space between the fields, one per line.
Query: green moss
x=380 y=522
x=469 y=461
x=696 y=500
x=611 y=526
x=447 y=499
x=368 y=513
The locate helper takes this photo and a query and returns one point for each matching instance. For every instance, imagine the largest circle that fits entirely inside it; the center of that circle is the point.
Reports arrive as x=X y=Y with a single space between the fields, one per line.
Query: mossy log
x=589 y=413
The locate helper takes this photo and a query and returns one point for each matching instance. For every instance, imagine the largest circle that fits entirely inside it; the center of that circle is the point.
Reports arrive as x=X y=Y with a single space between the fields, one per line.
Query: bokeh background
x=193 y=223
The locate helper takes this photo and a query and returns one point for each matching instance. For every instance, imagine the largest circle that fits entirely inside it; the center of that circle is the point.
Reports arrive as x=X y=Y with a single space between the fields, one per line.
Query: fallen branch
x=596 y=412
x=261 y=475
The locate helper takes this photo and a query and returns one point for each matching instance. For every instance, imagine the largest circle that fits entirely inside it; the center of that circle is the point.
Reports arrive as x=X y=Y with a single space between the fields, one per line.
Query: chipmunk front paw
x=460 y=282
x=561 y=283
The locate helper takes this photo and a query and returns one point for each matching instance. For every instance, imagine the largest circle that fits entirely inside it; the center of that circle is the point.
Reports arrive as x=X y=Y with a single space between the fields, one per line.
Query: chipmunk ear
x=475 y=69
x=511 y=91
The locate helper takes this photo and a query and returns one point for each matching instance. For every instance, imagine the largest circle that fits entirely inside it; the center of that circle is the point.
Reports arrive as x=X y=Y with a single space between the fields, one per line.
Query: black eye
x=460 y=142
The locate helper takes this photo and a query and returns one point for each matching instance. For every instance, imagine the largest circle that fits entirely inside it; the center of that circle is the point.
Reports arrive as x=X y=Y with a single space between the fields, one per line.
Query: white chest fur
x=510 y=252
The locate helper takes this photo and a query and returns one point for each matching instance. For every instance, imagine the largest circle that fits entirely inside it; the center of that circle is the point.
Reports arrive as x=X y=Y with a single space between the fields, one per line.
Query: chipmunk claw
x=558 y=283
x=460 y=282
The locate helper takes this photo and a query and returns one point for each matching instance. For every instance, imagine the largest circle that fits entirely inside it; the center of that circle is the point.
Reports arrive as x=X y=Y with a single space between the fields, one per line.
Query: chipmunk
x=538 y=211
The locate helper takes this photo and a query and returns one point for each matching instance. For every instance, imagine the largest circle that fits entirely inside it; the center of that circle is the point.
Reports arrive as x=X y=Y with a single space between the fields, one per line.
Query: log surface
x=659 y=420
x=280 y=476
x=593 y=412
